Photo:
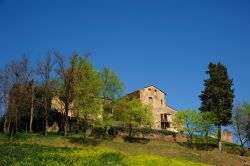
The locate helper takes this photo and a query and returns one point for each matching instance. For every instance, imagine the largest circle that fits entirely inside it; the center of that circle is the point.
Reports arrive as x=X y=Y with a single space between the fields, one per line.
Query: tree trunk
x=26 y=127
x=66 y=119
x=12 y=131
x=6 y=119
x=85 y=129
x=6 y=128
x=106 y=131
x=77 y=125
x=219 y=138
x=66 y=127
x=9 y=129
x=61 y=128
x=16 y=123
x=32 y=108
x=46 y=123
x=46 y=117
x=206 y=137
x=130 y=130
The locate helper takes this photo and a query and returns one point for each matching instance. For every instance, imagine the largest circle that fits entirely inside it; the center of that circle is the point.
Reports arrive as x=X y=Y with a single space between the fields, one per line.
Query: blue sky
x=165 y=43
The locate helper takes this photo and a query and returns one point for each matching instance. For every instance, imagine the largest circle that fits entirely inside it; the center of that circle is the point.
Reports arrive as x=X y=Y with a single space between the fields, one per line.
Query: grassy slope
x=134 y=153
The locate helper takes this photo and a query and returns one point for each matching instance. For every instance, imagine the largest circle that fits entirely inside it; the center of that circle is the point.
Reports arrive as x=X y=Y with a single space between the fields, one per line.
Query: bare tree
x=15 y=83
x=32 y=105
x=67 y=81
x=5 y=86
x=13 y=111
x=241 y=114
x=44 y=69
x=26 y=74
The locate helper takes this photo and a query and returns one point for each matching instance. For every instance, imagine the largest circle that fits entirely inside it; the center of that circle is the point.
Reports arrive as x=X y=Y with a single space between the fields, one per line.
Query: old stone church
x=163 y=115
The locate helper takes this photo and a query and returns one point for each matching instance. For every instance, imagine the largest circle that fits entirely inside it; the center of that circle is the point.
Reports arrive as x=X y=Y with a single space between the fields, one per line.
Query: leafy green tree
x=112 y=86
x=133 y=113
x=88 y=90
x=218 y=96
x=188 y=121
x=111 y=91
x=207 y=125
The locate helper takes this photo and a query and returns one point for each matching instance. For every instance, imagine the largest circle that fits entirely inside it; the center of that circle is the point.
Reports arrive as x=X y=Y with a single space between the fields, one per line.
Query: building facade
x=163 y=115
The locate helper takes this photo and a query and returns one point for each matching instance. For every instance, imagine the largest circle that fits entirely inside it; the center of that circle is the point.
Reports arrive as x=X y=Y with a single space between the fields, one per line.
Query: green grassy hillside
x=53 y=150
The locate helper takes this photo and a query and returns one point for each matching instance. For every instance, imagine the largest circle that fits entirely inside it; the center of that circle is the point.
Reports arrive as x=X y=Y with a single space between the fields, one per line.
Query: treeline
x=92 y=97
x=198 y=125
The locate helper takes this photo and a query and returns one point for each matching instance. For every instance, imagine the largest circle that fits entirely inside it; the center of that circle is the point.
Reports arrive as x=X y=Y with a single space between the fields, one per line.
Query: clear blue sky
x=165 y=43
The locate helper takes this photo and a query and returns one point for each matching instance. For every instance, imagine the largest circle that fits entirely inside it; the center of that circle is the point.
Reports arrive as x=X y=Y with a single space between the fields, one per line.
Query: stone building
x=163 y=115
x=226 y=136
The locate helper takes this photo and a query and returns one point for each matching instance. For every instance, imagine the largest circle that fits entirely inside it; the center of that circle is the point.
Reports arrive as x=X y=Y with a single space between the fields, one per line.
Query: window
x=165 y=125
x=155 y=92
x=149 y=89
x=161 y=101
x=150 y=100
x=164 y=117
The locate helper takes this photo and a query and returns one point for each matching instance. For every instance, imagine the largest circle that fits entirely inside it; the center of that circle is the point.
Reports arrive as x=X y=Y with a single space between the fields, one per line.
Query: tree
x=87 y=92
x=26 y=74
x=133 y=113
x=207 y=125
x=112 y=86
x=44 y=70
x=66 y=84
x=241 y=115
x=32 y=105
x=19 y=75
x=188 y=121
x=218 y=96
x=6 y=82
x=111 y=91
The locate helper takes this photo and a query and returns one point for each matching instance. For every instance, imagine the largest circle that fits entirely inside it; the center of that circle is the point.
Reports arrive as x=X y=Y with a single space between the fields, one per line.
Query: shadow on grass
x=198 y=146
x=136 y=140
x=87 y=141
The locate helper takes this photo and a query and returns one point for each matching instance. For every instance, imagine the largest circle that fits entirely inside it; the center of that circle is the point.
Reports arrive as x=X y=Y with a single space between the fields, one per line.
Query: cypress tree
x=218 y=96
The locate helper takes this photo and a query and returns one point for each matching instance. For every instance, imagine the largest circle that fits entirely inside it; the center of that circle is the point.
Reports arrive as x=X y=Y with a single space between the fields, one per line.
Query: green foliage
x=135 y=113
x=218 y=94
x=87 y=90
x=112 y=86
x=207 y=123
x=188 y=121
x=112 y=89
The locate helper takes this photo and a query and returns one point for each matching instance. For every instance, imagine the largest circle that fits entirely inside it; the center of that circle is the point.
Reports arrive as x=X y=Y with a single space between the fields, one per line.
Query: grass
x=53 y=149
